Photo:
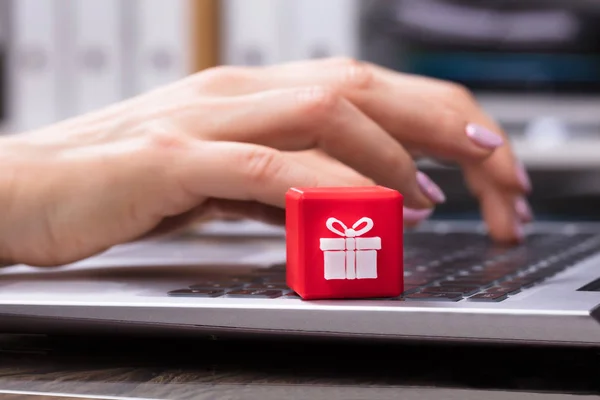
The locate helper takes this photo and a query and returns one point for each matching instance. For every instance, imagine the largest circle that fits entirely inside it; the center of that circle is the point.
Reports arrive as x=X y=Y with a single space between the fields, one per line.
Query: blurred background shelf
x=62 y=58
x=533 y=64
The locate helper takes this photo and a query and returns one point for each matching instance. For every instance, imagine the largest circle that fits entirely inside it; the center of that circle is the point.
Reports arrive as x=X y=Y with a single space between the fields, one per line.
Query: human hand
x=427 y=116
x=233 y=140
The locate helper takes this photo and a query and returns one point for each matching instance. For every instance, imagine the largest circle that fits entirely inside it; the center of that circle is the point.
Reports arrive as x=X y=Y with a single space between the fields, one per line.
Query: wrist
x=11 y=162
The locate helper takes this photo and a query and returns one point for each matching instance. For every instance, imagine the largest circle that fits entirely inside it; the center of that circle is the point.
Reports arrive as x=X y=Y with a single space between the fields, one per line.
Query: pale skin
x=231 y=141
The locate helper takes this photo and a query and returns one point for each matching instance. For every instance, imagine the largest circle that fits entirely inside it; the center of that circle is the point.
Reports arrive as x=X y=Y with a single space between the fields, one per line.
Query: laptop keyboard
x=448 y=267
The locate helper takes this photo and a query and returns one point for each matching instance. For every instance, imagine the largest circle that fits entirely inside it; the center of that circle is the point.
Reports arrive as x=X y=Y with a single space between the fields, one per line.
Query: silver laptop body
x=127 y=290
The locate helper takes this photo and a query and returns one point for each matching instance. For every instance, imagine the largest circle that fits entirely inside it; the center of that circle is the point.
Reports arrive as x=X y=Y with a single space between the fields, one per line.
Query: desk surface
x=175 y=368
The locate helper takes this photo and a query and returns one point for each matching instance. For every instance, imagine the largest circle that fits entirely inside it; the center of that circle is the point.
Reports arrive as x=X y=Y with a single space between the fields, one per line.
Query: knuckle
x=353 y=73
x=447 y=121
x=451 y=137
x=456 y=92
x=396 y=161
x=159 y=138
x=317 y=102
x=260 y=164
x=131 y=124
x=221 y=77
x=358 y=76
x=344 y=62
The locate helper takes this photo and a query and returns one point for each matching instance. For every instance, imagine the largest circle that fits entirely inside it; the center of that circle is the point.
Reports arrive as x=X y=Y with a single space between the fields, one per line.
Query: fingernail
x=484 y=137
x=523 y=210
x=523 y=177
x=416 y=216
x=430 y=189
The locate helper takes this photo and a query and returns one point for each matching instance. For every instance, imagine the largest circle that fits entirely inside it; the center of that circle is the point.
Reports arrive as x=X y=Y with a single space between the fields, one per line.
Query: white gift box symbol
x=350 y=257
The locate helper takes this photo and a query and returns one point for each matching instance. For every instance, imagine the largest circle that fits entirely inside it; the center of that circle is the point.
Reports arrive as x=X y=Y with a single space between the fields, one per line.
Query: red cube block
x=344 y=242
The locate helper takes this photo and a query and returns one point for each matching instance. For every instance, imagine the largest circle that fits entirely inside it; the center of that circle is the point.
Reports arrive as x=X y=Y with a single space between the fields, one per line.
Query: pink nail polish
x=430 y=189
x=523 y=210
x=523 y=177
x=416 y=216
x=484 y=137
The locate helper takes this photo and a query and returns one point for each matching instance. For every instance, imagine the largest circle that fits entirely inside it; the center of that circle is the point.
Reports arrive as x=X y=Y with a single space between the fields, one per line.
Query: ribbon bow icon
x=350 y=257
x=350 y=232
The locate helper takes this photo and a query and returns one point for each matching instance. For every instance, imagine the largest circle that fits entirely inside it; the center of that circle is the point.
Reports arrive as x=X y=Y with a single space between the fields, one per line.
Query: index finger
x=498 y=180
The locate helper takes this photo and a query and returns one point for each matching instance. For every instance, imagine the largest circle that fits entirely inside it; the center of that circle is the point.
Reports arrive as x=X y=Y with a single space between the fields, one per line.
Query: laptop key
x=485 y=276
x=276 y=279
x=224 y=285
x=416 y=282
x=504 y=290
x=291 y=295
x=523 y=283
x=481 y=283
x=276 y=286
x=511 y=289
x=490 y=297
x=464 y=290
x=278 y=267
x=434 y=297
x=410 y=289
x=537 y=276
x=196 y=293
x=270 y=275
x=418 y=279
x=254 y=294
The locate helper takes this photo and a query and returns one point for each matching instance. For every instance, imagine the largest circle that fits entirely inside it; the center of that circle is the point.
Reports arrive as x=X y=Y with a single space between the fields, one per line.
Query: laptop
x=228 y=279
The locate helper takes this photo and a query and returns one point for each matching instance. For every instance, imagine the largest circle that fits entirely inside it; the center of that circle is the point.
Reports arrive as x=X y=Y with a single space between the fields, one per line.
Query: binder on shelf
x=205 y=52
x=70 y=57
x=97 y=55
x=255 y=32
x=4 y=21
x=162 y=44
x=33 y=84
x=325 y=29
